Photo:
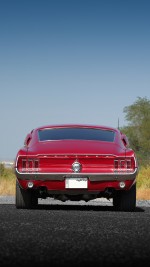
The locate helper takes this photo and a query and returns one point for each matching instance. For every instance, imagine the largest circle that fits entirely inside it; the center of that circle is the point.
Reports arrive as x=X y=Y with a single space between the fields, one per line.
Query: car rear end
x=76 y=169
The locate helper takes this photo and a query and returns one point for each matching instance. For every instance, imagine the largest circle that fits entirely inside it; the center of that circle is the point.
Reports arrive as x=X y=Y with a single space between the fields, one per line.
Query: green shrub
x=6 y=173
x=2 y=169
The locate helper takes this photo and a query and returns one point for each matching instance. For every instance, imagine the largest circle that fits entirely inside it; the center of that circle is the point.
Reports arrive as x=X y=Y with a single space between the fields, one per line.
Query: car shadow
x=79 y=207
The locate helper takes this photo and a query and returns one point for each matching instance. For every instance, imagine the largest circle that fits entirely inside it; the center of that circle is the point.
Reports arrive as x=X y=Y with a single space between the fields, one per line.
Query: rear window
x=76 y=134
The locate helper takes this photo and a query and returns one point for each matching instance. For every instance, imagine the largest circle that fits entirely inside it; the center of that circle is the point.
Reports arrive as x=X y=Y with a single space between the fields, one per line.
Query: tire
x=125 y=200
x=24 y=198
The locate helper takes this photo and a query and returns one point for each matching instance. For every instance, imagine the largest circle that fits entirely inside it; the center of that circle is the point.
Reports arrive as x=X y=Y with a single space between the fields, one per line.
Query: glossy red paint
x=104 y=165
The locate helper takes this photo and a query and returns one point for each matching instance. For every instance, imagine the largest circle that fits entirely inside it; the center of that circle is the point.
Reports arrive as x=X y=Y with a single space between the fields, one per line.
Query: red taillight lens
x=24 y=164
x=28 y=165
x=36 y=164
x=116 y=163
x=122 y=164
x=125 y=165
x=128 y=164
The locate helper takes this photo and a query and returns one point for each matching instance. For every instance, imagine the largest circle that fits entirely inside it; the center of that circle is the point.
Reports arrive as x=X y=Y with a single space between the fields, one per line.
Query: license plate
x=76 y=183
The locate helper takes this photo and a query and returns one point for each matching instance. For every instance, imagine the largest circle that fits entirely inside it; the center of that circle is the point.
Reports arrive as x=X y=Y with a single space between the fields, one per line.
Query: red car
x=76 y=162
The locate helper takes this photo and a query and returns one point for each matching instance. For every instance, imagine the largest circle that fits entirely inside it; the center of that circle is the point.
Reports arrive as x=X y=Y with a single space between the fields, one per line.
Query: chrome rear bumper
x=120 y=176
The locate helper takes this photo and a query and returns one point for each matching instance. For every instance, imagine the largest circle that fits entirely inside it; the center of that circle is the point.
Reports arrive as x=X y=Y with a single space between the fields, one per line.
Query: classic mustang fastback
x=76 y=162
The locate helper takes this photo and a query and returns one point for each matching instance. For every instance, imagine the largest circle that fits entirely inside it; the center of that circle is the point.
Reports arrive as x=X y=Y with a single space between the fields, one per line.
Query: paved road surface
x=74 y=235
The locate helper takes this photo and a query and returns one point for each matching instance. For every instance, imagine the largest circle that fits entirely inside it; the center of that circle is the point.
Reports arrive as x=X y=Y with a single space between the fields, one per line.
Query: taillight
x=124 y=165
x=28 y=165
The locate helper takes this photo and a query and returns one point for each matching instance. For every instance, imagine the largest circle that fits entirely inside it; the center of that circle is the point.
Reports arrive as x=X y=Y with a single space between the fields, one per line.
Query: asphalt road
x=74 y=235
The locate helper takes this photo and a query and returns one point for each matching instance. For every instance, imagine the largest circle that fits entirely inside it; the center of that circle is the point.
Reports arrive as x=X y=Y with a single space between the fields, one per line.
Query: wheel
x=24 y=198
x=125 y=200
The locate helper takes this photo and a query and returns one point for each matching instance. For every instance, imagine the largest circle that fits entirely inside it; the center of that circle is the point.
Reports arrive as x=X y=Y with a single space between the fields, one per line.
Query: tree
x=138 y=128
x=2 y=169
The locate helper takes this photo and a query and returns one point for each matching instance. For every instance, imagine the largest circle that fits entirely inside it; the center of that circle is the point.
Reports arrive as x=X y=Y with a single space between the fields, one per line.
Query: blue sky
x=70 y=61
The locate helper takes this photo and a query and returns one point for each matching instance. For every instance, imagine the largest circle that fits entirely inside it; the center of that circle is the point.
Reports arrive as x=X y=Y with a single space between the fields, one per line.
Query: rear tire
x=25 y=199
x=125 y=200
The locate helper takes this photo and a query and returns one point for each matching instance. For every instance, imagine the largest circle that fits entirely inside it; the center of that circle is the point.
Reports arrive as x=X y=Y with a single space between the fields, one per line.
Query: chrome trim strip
x=76 y=155
x=92 y=176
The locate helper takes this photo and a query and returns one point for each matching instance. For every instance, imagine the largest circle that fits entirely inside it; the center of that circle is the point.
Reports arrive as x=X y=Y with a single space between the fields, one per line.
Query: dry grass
x=143 y=194
x=143 y=183
x=7 y=187
x=143 y=178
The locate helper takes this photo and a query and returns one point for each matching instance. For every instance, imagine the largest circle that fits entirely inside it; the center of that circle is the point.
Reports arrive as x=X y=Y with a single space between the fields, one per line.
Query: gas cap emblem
x=76 y=166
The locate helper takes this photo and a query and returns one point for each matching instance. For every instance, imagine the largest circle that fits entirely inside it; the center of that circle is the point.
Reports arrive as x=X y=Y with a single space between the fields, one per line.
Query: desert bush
x=7 y=181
